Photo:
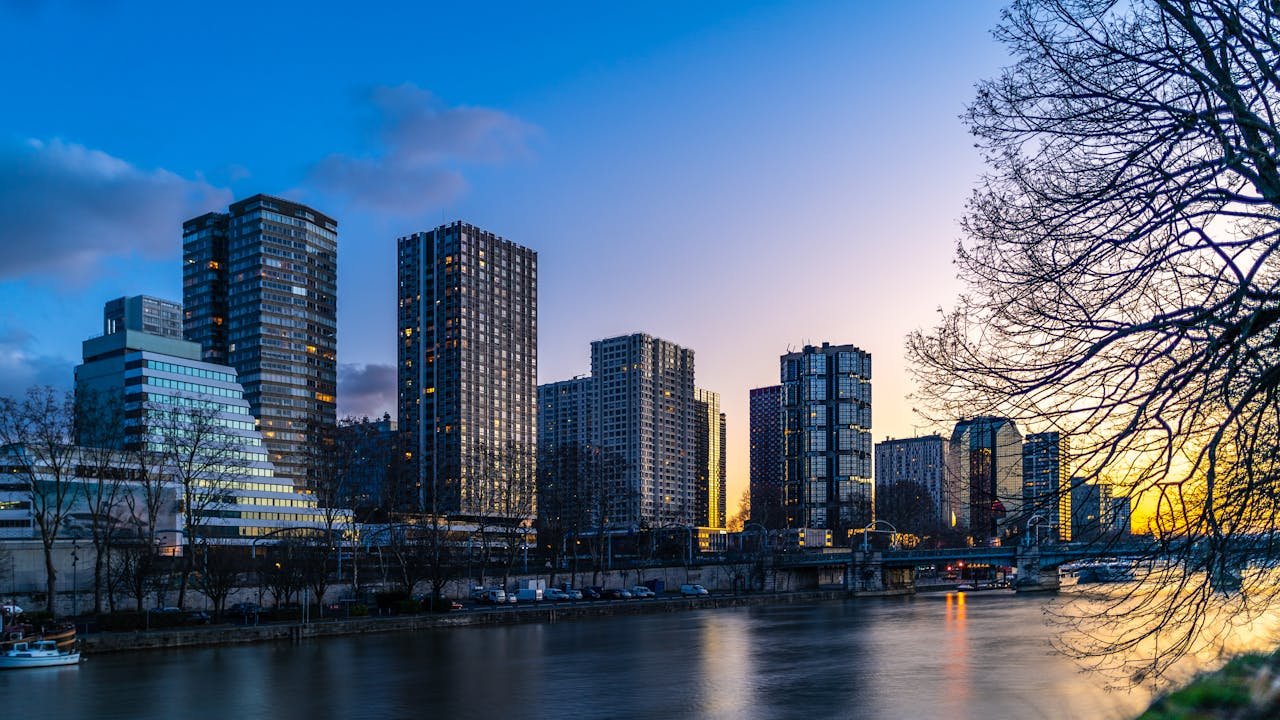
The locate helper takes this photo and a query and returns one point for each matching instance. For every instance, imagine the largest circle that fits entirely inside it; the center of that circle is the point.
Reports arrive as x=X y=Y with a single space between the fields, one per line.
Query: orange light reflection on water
x=957 y=680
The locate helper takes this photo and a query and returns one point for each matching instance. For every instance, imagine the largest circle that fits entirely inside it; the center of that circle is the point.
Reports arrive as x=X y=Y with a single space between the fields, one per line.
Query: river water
x=981 y=655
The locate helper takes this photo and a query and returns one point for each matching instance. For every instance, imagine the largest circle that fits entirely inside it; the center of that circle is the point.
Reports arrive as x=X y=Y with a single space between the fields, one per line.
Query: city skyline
x=583 y=131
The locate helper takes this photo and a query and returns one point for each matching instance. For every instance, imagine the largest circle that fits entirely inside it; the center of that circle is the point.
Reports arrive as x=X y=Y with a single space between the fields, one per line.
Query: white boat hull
x=15 y=662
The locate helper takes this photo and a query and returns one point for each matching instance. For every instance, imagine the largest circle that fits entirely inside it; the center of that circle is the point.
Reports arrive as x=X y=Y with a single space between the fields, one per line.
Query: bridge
x=873 y=571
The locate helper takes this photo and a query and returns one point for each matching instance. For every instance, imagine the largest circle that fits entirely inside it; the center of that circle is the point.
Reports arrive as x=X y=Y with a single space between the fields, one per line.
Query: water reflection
x=977 y=656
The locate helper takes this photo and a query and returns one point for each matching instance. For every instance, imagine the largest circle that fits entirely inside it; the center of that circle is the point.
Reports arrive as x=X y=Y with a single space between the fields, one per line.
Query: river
x=981 y=656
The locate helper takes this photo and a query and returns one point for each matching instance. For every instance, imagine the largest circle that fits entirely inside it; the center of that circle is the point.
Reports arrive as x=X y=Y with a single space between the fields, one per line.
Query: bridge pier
x=1032 y=577
x=866 y=574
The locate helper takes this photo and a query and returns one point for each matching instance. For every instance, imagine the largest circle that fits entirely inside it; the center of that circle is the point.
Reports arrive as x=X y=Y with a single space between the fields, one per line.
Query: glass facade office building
x=260 y=292
x=159 y=380
x=712 y=505
x=1046 y=473
x=767 y=457
x=826 y=400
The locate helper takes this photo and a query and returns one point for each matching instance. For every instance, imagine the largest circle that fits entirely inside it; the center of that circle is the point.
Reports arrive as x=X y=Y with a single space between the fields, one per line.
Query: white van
x=693 y=591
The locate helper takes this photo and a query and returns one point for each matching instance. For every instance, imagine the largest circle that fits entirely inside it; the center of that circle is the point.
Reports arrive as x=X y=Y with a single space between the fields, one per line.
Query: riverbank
x=1247 y=688
x=111 y=642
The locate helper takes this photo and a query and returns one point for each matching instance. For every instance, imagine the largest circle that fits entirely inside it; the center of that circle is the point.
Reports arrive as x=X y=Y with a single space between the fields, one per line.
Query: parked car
x=477 y=593
x=244 y=608
x=616 y=594
x=11 y=610
x=494 y=596
x=641 y=592
x=693 y=590
x=198 y=617
x=592 y=593
x=555 y=594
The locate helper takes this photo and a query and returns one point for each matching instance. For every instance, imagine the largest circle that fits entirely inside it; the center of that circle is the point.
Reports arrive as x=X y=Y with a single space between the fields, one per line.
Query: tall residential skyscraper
x=260 y=286
x=468 y=365
x=144 y=314
x=1046 y=471
x=566 y=439
x=709 y=460
x=827 y=413
x=985 y=483
x=767 y=457
x=910 y=476
x=646 y=416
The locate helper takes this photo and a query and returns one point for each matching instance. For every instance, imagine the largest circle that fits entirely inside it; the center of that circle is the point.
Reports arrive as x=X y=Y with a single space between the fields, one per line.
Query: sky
x=742 y=178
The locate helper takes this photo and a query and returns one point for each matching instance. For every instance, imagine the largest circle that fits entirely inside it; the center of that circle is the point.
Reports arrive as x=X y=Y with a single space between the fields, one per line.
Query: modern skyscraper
x=143 y=313
x=827 y=409
x=165 y=391
x=1046 y=471
x=566 y=437
x=910 y=477
x=646 y=415
x=709 y=460
x=767 y=458
x=1091 y=509
x=985 y=492
x=468 y=363
x=260 y=288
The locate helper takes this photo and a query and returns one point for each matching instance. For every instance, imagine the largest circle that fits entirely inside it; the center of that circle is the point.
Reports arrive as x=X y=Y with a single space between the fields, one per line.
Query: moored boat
x=40 y=653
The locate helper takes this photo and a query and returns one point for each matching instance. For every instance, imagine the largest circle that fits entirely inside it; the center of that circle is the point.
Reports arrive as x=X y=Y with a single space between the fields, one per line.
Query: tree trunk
x=51 y=579
x=185 y=570
x=98 y=575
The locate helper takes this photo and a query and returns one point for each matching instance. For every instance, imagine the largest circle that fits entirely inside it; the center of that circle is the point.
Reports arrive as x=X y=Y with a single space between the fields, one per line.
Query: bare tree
x=100 y=432
x=205 y=460
x=740 y=516
x=510 y=504
x=36 y=434
x=222 y=568
x=1124 y=288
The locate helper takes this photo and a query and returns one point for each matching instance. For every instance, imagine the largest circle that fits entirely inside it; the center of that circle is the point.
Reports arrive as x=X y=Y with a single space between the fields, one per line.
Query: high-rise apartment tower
x=260 y=286
x=767 y=457
x=646 y=419
x=468 y=362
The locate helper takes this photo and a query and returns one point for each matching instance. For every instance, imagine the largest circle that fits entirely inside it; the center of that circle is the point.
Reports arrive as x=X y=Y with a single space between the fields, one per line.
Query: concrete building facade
x=646 y=419
x=910 y=482
x=143 y=313
x=467 y=340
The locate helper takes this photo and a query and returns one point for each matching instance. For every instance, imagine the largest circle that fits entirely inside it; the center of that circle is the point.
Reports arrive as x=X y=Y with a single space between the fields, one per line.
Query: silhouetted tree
x=1123 y=286
x=37 y=436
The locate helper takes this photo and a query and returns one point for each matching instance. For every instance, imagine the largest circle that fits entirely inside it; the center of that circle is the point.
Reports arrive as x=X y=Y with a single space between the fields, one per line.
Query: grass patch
x=1211 y=695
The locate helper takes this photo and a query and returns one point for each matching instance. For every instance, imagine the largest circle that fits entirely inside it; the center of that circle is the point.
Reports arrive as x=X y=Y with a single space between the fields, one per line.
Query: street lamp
x=764 y=535
x=75 y=584
x=866 y=534
x=1034 y=526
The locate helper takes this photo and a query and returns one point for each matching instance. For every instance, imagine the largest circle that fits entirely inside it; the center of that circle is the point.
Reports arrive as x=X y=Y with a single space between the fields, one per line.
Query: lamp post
x=764 y=535
x=1034 y=526
x=75 y=583
x=866 y=534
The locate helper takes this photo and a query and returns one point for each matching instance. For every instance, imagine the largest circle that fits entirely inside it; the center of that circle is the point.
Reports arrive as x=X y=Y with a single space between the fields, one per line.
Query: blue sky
x=737 y=177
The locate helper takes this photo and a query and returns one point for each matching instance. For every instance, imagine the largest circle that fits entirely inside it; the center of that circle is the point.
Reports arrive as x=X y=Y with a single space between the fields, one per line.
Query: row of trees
x=85 y=474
